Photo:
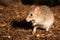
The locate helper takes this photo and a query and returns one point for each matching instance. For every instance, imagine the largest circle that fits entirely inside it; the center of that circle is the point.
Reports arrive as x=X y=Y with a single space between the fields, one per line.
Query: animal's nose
x=27 y=20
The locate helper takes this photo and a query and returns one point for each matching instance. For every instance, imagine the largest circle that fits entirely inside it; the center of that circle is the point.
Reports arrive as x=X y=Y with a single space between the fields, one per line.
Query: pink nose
x=27 y=20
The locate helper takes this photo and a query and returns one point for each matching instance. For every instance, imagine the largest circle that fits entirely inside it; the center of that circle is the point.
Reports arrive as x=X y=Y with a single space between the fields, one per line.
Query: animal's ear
x=37 y=9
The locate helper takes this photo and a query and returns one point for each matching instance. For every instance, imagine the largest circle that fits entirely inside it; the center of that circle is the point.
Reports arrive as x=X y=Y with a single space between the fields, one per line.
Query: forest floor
x=17 y=13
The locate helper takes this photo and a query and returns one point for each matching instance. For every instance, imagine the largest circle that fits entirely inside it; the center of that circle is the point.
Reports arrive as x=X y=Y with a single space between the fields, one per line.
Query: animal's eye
x=30 y=14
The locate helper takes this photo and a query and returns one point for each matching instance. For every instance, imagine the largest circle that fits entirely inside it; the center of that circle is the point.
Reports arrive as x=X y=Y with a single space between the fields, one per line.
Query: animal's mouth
x=33 y=22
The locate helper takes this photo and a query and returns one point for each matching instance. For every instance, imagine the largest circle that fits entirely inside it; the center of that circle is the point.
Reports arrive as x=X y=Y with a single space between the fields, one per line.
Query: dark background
x=30 y=2
x=42 y=2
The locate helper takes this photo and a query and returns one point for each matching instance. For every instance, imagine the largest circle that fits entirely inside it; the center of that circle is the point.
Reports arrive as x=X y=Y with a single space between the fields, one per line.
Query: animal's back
x=47 y=15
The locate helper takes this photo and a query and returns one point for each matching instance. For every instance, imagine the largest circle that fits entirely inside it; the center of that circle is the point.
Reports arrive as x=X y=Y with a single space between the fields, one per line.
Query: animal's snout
x=27 y=20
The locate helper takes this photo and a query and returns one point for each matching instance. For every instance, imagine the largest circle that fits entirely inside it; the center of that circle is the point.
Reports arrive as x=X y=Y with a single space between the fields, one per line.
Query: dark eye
x=30 y=14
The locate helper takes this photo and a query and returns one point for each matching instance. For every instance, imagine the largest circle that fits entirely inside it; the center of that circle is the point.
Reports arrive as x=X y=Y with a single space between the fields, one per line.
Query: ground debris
x=19 y=12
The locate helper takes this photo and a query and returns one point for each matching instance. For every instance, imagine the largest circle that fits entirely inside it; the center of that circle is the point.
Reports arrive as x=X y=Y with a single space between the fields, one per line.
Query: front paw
x=34 y=24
